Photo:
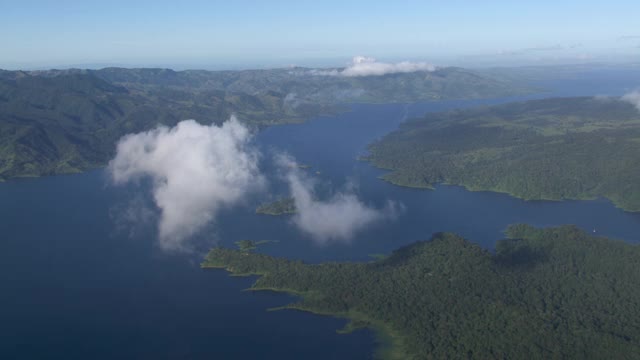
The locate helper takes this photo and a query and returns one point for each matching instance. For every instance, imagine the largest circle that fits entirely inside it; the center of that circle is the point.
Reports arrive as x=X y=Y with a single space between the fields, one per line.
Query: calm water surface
x=78 y=284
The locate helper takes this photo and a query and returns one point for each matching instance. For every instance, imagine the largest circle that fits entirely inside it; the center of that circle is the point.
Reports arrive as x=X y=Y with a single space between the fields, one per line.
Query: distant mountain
x=308 y=85
x=550 y=149
x=64 y=121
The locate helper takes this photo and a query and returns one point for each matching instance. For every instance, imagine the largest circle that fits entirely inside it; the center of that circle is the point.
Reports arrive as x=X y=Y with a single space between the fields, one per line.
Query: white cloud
x=195 y=170
x=633 y=98
x=338 y=218
x=368 y=66
x=291 y=101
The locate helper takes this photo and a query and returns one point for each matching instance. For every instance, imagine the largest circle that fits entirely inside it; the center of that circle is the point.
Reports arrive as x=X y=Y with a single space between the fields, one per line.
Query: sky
x=256 y=34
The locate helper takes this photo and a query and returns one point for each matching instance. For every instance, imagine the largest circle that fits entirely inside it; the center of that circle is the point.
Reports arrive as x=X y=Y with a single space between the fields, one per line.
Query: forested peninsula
x=545 y=293
x=66 y=121
x=550 y=149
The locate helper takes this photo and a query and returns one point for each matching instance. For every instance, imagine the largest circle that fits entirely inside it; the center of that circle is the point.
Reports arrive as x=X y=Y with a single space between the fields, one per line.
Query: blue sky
x=242 y=33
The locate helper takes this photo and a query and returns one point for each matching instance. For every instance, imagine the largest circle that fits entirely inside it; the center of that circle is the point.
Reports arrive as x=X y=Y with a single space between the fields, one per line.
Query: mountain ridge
x=65 y=121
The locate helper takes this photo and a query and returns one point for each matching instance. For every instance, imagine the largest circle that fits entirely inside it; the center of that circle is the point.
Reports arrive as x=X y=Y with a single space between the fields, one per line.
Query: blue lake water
x=77 y=285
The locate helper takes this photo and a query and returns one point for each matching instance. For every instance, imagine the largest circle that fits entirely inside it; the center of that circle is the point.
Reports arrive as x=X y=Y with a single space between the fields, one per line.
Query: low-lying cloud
x=368 y=66
x=195 y=170
x=338 y=218
x=291 y=101
x=539 y=49
x=633 y=98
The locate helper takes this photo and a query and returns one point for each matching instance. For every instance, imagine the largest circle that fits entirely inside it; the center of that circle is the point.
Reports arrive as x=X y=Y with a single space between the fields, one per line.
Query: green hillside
x=546 y=293
x=70 y=121
x=551 y=149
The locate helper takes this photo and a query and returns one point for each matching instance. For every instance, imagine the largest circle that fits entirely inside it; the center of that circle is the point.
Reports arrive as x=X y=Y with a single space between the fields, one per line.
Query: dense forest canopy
x=545 y=293
x=550 y=149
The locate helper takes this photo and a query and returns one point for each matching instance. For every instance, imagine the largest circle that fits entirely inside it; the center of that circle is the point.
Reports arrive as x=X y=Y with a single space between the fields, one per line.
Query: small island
x=550 y=149
x=283 y=206
x=545 y=293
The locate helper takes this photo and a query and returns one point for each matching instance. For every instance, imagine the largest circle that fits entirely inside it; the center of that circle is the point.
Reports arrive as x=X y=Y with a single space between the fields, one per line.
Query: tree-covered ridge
x=64 y=121
x=306 y=86
x=546 y=293
x=71 y=122
x=551 y=149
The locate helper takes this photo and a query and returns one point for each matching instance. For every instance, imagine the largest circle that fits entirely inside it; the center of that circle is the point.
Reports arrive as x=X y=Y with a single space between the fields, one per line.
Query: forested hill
x=70 y=121
x=553 y=149
x=546 y=293
x=62 y=121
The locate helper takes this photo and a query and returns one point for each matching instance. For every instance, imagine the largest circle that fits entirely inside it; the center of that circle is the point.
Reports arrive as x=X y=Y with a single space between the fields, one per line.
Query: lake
x=79 y=281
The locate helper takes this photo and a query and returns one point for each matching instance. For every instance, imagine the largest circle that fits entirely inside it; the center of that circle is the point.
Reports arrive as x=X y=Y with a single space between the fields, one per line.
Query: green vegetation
x=545 y=293
x=249 y=245
x=304 y=87
x=70 y=121
x=551 y=149
x=65 y=121
x=284 y=206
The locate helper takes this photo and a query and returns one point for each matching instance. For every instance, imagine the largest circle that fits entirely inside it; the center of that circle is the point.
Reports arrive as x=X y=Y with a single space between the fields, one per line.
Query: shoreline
x=389 y=341
x=471 y=188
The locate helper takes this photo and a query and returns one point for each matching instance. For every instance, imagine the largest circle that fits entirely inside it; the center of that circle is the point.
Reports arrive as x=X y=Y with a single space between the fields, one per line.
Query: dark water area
x=78 y=284
x=73 y=287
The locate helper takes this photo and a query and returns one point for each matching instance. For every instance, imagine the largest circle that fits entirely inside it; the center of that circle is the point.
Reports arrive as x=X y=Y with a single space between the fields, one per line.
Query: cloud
x=368 y=66
x=195 y=171
x=629 y=37
x=633 y=98
x=338 y=218
x=291 y=101
x=539 y=49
